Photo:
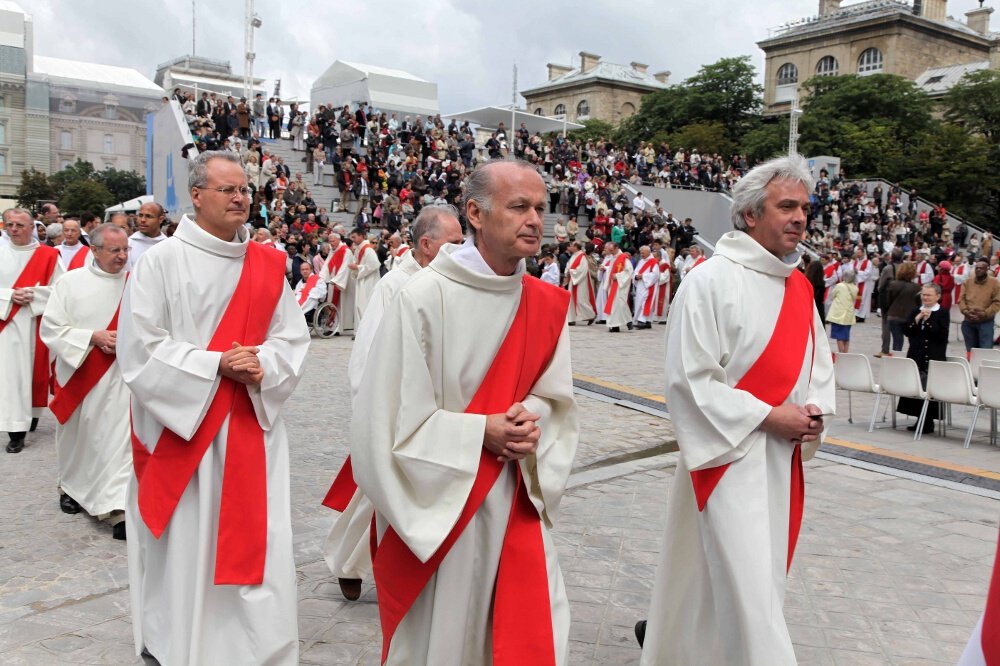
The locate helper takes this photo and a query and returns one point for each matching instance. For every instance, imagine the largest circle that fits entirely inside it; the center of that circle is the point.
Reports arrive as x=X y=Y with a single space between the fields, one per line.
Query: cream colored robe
x=417 y=461
x=365 y=280
x=620 y=315
x=93 y=448
x=579 y=282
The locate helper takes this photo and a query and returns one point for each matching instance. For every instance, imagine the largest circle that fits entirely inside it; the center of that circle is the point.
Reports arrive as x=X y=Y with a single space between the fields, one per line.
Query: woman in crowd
x=841 y=313
x=927 y=329
x=902 y=298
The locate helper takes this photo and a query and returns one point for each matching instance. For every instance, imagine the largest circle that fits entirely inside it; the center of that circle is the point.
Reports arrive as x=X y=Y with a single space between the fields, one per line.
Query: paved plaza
x=890 y=569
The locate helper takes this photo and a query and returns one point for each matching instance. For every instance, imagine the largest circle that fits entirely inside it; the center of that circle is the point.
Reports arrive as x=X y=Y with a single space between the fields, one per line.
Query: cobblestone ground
x=889 y=571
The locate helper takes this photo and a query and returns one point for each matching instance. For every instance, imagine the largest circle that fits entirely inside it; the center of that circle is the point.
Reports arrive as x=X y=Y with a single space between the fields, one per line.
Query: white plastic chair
x=988 y=396
x=900 y=378
x=854 y=373
x=977 y=357
x=949 y=383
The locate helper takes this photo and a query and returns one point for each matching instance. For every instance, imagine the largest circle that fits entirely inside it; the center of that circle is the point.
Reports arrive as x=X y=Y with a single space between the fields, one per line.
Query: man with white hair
x=310 y=290
x=397 y=249
x=336 y=272
x=27 y=271
x=72 y=253
x=365 y=269
x=582 y=304
x=149 y=221
x=618 y=284
x=749 y=381
x=91 y=404
x=347 y=549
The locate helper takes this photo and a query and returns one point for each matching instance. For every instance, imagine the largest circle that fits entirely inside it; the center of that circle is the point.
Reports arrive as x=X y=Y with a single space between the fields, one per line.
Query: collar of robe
x=469 y=267
x=739 y=247
x=139 y=236
x=30 y=247
x=96 y=270
x=189 y=232
x=407 y=264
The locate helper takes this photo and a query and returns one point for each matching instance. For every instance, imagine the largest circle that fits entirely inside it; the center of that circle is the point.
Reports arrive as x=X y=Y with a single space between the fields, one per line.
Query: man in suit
x=273 y=119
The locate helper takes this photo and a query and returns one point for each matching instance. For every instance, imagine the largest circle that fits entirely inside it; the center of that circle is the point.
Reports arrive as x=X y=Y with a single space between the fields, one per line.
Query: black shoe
x=68 y=504
x=614 y=329
x=630 y=327
x=572 y=323
x=590 y=323
x=663 y=323
x=350 y=588
x=118 y=531
x=928 y=426
x=15 y=445
x=640 y=631
x=34 y=424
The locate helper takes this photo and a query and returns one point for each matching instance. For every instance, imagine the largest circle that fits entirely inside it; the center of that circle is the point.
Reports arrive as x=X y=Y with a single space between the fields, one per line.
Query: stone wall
x=608 y=102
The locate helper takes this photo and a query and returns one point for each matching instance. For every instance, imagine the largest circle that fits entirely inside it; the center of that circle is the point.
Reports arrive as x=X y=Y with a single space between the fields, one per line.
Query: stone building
x=596 y=89
x=870 y=37
x=197 y=74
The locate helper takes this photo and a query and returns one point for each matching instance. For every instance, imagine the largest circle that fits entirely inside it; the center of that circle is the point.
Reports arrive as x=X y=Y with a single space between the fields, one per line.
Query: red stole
x=403 y=250
x=661 y=301
x=522 y=619
x=69 y=397
x=647 y=306
x=165 y=473
x=590 y=287
x=307 y=289
x=698 y=262
x=78 y=259
x=616 y=268
x=771 y=379
x=959 y=270
x=364 y=247
x=858 y=267
x=37 y=272
x=333 y=265
x=990 y=639
x=828 y=272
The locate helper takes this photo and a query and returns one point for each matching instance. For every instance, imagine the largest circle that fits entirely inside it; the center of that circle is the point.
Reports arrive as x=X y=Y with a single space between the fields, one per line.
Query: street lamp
x=252 y=22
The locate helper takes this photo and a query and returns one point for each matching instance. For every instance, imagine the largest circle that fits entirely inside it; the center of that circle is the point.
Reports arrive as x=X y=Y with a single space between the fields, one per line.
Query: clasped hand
x=242 y=365
x=796 y=423
x=512 y=435
x=23 y=296
x=105 y=341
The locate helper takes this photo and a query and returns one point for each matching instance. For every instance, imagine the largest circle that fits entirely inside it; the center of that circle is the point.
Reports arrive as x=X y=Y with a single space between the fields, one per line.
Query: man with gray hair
x=54 y=234
x=27 y=269
x=211 y=344
x=91 y=404
x=749 y=379
x=347 y=546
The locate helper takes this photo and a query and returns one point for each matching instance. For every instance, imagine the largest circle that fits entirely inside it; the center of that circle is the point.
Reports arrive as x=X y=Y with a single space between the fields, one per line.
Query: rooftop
x=382 y=71
x=607 y=71
x=939 y=80
x=59 y=70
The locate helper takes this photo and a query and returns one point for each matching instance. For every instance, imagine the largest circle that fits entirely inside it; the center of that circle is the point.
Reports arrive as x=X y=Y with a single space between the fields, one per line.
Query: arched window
x=560 y=110
x=67 y=104
x=827 y=66
x=582 y=109
x=788 y=73
x=870 y=61
x=538 y=112
x=65 y=140
x=109 y=144
x=628 y=110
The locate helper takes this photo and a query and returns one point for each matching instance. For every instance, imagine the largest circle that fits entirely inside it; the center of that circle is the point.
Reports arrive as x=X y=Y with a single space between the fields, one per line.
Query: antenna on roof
x=192 y=28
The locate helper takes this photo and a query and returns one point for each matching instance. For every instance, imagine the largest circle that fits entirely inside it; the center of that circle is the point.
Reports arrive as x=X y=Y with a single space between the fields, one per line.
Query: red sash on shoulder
x=590 y=287
x=165 y=473
x=647 y=306
x=522 y=618
x=307 y=289
x=78 y=259
x=333 y=265
x=70 y=396
x=616 y=268
x=771 y=379
x=37 y=272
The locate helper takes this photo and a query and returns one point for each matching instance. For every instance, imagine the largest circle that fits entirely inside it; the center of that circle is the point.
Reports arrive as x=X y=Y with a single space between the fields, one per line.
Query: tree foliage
x=34 y=187
x=707 y=137
x=975 y=103
x=593 y=130
x=123 y=185
x=79 y=188
x=85 y=195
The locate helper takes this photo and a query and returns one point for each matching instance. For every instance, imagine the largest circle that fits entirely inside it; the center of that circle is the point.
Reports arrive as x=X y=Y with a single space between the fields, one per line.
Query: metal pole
x=513 y=112
x=193 y=31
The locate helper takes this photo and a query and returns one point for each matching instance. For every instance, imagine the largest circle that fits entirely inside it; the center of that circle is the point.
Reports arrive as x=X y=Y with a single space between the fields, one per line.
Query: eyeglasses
x=229 y=190
x=114 y=250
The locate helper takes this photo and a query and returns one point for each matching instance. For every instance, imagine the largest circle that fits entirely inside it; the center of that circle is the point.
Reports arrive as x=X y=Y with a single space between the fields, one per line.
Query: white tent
x=388 y=90
x=130 y=206
x=491 y=116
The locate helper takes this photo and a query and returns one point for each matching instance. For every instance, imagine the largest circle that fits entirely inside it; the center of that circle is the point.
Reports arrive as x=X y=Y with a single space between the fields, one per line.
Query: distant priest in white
x=347 y=549
x=961 y=273
x=366 y=273
x=466 y=440
x=665 y=287
x=27 y=271
x=550 y=270
x=397 y=250
x=926 y=270
x=603 y=272
x=647 y=279
x=91 y=402
x=864 y=271
x=749 y=380
x=581 y=288
x=72 y=253
x=336 y=272
x=211 y=343
x=310 y=291
x=619 y=283
x=148 y=222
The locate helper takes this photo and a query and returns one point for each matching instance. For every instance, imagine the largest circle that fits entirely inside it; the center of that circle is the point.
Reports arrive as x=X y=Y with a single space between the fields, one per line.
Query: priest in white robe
x=347 y=547
x=582 y=304
x=211 y=343
x=647 y=279
x=619 y=284
x=397 y=250
x=336 y=272
x=665 y=288
x=602 y=283
x=310 y=290
x=749 y=380
x=93 y=449
x=72 y=253
x=149 y=221
x=867 y=276
x=27 y=271
x=366 y=273
x=443 y=464
x=550 y=270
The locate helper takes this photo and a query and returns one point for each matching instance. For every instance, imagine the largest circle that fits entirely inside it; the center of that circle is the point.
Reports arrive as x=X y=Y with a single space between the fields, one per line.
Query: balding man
x=347 y=546
x=91 y=404
x=149 y=222
x=463 y=438
x=72 y=253
x=121 y=221
x=27 y=271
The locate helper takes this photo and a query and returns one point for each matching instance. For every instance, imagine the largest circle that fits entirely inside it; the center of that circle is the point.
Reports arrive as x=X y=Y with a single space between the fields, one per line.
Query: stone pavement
x=889 y=571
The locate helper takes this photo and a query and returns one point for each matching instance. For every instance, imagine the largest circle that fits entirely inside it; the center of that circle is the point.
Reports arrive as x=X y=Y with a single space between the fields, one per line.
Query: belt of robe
x=164 y=473
x=771 y=379
x=522 y=616
x=69 y=397
x=38 y=271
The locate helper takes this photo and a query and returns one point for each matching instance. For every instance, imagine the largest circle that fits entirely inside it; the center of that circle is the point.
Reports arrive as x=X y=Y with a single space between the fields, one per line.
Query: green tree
x=707 y=137
x=767 y=139
x=593 y=130
x=80 y=170
x=660 y=113
x=85 y=195
x=34 y=187
x=123 y=185
x=975 y=103
x=725 y=92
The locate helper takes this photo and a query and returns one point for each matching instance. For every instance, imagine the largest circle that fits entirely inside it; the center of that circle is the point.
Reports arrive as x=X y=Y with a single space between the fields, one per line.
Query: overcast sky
x=467 y=47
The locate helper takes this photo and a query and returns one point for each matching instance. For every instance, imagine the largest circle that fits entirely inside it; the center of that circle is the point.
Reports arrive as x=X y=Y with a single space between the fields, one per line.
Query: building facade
x=196 y=74
x=596 y=89
x=870 y=37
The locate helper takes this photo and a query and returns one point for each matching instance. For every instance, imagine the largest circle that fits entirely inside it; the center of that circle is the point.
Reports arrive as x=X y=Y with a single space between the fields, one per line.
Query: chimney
x=588 y=61
x=935 y=10
x=995 y=56
x=662 y=77
x=639 y=68
x=828 y=6
x=557 y=71
x=979 y=20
